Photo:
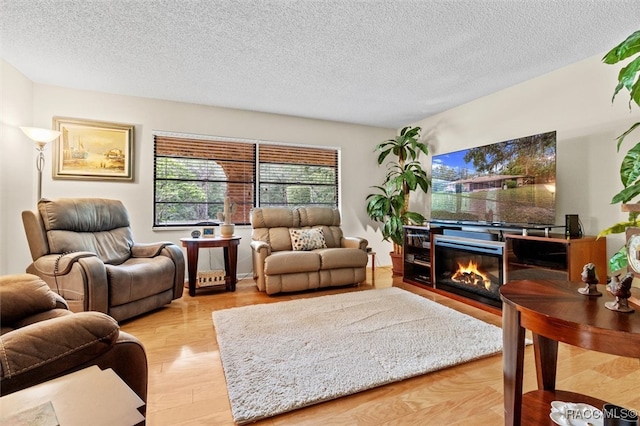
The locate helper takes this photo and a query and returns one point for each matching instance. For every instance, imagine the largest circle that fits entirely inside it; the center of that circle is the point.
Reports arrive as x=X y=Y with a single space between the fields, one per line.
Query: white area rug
x=278 y=357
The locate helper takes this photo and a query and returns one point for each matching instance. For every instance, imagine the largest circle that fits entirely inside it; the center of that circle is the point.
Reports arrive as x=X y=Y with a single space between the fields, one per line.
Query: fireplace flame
x=470 y=274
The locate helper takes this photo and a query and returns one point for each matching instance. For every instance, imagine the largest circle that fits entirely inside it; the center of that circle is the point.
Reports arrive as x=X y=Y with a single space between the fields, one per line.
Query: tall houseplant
x=628 y=78
x=390 y=205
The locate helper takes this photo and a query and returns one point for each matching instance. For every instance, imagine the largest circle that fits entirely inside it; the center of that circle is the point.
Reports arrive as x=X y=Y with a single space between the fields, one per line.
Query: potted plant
x=628 y=78
x=405 y=174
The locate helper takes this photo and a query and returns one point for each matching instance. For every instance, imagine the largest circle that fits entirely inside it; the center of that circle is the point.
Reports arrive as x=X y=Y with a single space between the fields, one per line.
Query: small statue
x=622 y=294
x=591 y=279
x=614 y=284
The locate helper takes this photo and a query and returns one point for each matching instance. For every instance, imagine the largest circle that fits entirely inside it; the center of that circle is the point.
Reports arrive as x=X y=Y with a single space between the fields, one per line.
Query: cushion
x=336 y=258
x=307 y=239
x=291 y=262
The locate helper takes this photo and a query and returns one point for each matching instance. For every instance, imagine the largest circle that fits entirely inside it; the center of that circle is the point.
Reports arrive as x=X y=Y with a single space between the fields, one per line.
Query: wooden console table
x=555 y=312
x=230 y=246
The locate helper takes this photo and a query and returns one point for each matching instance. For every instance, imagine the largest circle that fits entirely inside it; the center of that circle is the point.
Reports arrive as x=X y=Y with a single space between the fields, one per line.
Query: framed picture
x=93 y=150
x=208 y=232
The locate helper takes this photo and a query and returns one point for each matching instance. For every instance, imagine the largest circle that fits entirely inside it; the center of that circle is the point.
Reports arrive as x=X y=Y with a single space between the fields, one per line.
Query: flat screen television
x=506 y=183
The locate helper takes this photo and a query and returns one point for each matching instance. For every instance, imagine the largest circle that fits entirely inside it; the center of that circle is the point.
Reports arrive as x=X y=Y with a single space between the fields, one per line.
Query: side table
x=230 y=247
x=373 y=266
x=555 y=312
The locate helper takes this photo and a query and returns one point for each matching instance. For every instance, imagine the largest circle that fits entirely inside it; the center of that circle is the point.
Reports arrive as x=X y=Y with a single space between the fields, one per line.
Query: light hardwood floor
x=187 y=385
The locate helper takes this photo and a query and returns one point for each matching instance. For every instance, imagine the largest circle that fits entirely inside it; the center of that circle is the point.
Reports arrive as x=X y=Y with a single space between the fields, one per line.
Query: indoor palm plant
x=390 y=205
x=628 y=79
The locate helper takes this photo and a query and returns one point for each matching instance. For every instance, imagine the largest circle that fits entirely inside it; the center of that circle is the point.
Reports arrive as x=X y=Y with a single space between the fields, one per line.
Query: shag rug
x=281 y=356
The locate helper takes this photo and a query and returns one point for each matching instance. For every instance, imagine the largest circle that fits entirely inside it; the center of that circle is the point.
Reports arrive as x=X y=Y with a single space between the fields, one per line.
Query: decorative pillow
x=307 y=239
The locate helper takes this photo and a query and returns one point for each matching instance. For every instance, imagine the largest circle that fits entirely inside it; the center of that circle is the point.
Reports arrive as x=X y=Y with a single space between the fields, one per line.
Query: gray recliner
x=83 y=249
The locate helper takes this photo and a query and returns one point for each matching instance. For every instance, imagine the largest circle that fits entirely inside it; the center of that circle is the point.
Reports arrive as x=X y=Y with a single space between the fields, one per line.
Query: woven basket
x=209 y=278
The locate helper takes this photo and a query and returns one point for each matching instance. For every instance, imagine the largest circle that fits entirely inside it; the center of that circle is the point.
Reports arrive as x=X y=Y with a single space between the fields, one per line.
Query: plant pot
x=226 y=230
x=397 y=263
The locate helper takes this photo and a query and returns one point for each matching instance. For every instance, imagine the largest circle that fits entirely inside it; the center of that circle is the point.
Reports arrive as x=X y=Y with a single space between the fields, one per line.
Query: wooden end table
x=230 y=247
x=555 y=312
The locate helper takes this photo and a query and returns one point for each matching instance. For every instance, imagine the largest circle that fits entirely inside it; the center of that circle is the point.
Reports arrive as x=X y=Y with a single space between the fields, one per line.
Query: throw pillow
x=307 y=239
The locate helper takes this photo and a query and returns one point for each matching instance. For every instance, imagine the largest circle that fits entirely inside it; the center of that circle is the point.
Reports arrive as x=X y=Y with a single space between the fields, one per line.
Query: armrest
x=258 y=246
x=259 y=252
x=81 y=279
x=173 y=252
x=354 y=242
x=59 y=264
x=43 y=350
x=148 y=249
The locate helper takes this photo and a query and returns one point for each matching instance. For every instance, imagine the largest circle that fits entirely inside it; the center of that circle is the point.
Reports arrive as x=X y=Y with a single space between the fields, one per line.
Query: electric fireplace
x=470 y=267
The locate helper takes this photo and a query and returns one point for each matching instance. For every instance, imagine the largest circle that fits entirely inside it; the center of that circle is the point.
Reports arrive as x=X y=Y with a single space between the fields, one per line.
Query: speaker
x=572 y=226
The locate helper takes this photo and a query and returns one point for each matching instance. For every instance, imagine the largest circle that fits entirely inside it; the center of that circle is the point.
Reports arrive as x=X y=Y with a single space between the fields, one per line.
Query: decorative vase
x=226 y=230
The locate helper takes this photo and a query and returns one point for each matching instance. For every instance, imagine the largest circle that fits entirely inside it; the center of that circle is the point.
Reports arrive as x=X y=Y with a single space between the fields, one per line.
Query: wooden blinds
x=297 y=176
x=286 y=154
x=206 y=149
x=194 y=175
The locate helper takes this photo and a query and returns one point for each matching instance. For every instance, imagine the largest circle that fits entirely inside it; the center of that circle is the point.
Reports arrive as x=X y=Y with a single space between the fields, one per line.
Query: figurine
x=614 y=284
x=591 y=279
x=622 y=294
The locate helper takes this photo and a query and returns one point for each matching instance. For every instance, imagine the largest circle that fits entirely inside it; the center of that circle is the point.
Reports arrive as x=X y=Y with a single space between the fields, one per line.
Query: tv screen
x=511 y=183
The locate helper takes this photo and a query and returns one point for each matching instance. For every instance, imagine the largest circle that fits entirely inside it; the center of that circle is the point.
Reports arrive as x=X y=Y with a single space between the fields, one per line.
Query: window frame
x=256 y=184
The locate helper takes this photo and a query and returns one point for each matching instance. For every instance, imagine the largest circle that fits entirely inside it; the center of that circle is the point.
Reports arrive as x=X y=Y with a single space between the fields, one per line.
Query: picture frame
x=93 y=150
x=208 y=232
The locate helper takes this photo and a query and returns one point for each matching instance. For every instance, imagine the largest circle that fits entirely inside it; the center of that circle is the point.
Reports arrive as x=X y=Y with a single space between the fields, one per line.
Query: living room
x=574 y=100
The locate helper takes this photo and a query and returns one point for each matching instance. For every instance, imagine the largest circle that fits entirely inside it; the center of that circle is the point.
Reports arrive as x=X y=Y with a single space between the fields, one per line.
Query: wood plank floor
x=187 y=385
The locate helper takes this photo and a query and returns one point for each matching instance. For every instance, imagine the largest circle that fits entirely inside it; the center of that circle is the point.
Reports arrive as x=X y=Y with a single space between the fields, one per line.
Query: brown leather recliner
x=40 y=339
x=83 y=249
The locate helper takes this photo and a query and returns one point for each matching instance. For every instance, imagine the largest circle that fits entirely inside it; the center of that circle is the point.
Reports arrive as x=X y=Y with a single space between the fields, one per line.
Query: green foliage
x=619 y=260
x=628 y=78
x=525 y=156
x=405 y=174
x=182 y=195
x=281 y=185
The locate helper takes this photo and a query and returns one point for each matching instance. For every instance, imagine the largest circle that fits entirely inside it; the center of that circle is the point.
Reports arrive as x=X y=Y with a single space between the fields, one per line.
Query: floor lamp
x=41 y=137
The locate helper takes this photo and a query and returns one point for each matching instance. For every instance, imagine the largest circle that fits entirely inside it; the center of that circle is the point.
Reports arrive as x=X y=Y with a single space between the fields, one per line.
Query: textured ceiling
x=381 y=63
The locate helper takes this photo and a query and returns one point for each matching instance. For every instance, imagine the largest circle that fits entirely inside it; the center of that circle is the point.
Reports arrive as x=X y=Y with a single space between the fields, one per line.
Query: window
x=193 y=177
x=194 y=174
x=297 y=176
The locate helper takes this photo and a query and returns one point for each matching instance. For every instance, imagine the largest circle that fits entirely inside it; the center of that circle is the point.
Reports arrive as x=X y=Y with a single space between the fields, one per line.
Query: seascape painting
x=93 y=150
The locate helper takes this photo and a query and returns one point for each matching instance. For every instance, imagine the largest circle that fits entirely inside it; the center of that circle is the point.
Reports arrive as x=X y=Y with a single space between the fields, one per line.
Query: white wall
x=576 y=102
x=17 y=167
x=359 y=169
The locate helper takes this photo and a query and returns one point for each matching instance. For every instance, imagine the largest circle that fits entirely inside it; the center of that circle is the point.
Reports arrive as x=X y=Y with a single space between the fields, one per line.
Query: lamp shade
x=40 y=135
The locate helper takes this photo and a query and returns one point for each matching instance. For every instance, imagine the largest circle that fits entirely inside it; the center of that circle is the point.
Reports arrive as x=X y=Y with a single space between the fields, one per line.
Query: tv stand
x=526 y=256
x=522 y=228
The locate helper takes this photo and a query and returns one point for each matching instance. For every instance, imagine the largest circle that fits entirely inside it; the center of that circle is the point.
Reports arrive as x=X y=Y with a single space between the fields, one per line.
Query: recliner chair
x=83 y=249
x=40 y=339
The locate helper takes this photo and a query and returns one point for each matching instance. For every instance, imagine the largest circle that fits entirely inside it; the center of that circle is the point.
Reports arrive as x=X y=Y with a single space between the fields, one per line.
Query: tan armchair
x=83 y=249
x=40 y=339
